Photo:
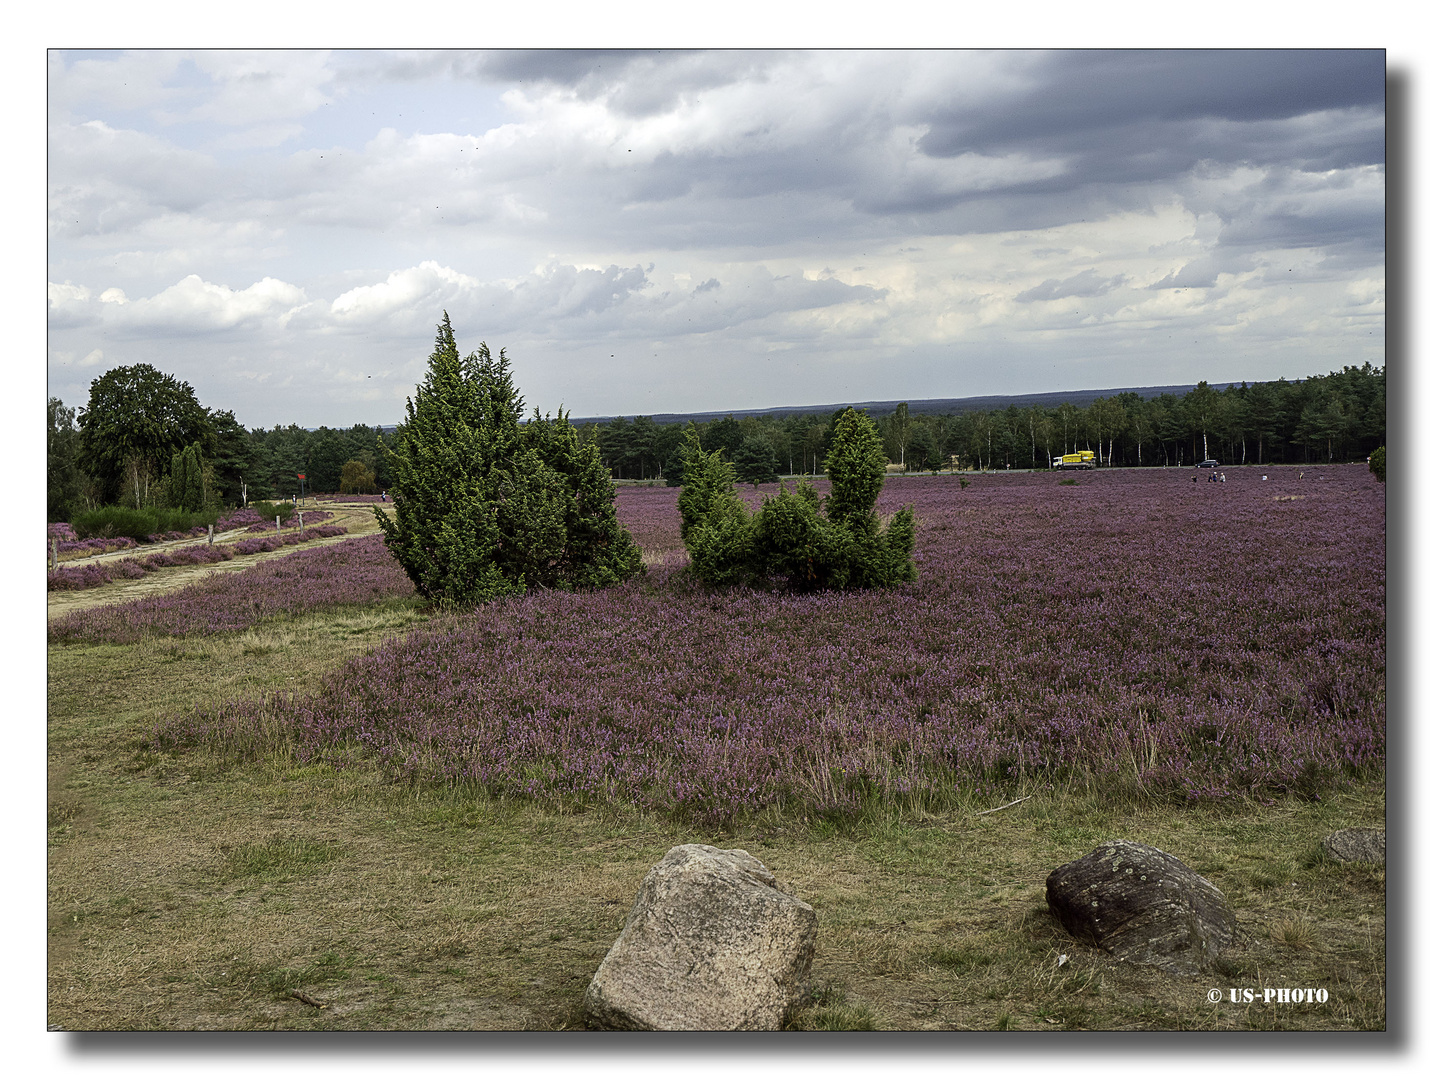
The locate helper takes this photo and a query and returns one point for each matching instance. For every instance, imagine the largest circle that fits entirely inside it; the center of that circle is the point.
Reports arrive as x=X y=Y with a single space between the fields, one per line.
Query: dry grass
x=191 y=892
x=1295 y=932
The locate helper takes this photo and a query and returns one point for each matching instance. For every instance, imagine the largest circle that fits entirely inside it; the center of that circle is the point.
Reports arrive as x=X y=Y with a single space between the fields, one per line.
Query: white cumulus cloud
x=196 y=304
x=417 y=286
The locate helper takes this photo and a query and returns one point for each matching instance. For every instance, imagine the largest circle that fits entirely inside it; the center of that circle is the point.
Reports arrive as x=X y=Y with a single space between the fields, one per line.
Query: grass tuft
x=281 y=857
x=961 y=958
x=830 y=1010
x=1294 y=932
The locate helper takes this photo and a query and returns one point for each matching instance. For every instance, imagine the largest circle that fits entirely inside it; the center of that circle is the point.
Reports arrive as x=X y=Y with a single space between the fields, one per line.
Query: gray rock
x=711 y=944
x=1142 y=905
x=1355 y=845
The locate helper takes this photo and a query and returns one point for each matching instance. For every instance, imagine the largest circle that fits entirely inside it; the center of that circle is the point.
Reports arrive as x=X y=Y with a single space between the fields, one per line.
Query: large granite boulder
x=1142 y=905
x=1355 y=845
x=711 y=944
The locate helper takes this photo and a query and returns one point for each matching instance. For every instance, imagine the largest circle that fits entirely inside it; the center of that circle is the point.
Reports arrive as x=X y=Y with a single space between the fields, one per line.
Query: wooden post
x=54 y=554
x=211 y=535
x=277 y=526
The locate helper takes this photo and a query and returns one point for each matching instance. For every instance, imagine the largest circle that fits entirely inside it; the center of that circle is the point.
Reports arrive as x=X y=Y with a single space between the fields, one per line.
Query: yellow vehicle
x=1080 y=459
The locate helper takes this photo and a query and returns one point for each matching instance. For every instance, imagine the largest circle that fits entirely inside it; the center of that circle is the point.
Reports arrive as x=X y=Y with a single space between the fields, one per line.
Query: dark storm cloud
x=1120 y=122
x=1084 y=93
x=1126 y=126
x=632 y=82
x=568 y=67
x=998 y=141
x=1334 y=227
x=690 y=201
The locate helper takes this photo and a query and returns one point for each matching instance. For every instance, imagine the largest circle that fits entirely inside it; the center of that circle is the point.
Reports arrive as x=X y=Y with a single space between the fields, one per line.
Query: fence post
x=211 y=535
x=277 y=527
x=301 y=521
x=54 y=554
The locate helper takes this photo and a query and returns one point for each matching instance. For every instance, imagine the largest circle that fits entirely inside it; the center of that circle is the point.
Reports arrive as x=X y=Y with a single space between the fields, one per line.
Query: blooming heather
x=1197 y=640
x=95 y=545
x=358 y=571
x=90 y=575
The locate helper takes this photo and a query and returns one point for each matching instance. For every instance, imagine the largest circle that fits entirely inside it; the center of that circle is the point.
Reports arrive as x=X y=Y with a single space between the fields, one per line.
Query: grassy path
x=357 y=519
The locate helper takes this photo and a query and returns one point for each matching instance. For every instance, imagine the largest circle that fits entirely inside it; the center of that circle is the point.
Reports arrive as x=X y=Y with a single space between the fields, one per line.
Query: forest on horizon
x=1340 y=416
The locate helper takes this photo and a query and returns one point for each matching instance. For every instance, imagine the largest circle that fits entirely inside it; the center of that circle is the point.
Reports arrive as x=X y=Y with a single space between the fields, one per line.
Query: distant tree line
x=143 y=440
x=121 y=448
x=1334 y=417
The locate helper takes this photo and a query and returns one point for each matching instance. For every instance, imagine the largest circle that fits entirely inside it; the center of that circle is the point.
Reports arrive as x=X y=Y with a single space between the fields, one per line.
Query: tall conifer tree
x=485 y=506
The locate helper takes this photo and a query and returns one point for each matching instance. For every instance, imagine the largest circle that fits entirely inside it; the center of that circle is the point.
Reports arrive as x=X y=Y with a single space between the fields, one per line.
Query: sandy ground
x=356 y=517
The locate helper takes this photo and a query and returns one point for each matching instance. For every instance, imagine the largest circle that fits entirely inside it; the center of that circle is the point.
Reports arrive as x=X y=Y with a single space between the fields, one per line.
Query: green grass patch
x=268 y=510
x=138 y=523
x=281 y=857
x=829 y=1010
x=961 y=958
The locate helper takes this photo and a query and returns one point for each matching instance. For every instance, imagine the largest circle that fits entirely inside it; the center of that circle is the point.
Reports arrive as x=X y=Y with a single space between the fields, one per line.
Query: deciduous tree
x=137 y=419
x=65 y=483
x=356 y=479
x=187 y=488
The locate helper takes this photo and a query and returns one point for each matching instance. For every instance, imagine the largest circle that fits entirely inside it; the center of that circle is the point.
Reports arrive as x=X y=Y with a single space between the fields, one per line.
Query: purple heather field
x=354 y=572
x=1144 y=628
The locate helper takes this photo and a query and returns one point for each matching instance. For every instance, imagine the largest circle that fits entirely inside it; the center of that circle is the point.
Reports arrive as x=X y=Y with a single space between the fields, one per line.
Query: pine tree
x=755 y=461
x=486 y=506
x=715 y=523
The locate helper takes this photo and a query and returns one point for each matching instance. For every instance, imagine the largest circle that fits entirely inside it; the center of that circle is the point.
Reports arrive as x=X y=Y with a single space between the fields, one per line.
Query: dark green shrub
x=281 y=510
x=485 y=506
x=789 y=538
x=1375 y=464
x=856 y=466
x=721 y=550
x=795 y=543
x=706 y=485
x=715 y=523
x=557 y=513
x=138 y=524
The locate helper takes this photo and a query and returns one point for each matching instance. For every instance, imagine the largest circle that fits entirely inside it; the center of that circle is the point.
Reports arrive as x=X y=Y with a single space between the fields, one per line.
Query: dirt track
x=356 y=517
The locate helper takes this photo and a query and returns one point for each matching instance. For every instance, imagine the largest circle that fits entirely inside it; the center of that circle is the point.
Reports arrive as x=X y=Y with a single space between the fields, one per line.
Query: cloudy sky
x=673 y=231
